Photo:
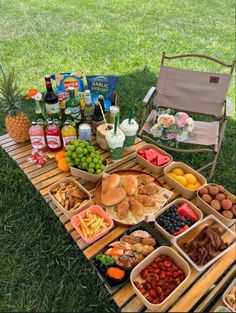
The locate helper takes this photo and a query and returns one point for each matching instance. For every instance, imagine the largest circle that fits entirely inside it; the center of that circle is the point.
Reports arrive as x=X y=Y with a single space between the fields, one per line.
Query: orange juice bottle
x=68 y=133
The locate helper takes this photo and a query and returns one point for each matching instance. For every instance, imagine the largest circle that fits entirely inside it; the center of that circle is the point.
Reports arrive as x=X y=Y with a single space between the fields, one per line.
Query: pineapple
x=17 y=122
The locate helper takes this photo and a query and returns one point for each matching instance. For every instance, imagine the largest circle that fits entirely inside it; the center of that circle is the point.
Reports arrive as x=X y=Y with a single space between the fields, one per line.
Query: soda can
x=114 y=110
x=85 y=132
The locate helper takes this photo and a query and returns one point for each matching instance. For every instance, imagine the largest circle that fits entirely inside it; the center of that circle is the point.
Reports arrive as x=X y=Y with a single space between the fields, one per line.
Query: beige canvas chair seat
x=191 y=91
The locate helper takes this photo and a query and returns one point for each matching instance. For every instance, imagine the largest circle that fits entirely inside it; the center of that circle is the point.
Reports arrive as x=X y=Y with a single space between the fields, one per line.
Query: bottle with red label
x=37 y=137
x=53 y=135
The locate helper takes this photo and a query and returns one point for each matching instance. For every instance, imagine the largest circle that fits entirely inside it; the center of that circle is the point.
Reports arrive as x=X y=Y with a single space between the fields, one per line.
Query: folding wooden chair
x=190 y=91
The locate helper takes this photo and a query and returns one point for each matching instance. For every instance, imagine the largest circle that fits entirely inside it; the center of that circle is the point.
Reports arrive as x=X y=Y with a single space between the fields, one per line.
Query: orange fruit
x=178 y=171
x=191 y=179
x=63 y=165
x=191 y=186
x=60 y=155
x=181 y=180
x=197 y=184
x=172 y=175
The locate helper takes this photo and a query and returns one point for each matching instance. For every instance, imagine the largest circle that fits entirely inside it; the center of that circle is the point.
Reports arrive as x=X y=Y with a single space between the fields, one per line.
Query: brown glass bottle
x=50 y=98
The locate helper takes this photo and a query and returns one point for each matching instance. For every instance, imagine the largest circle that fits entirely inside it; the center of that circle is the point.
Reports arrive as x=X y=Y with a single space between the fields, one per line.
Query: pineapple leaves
x=10 y=99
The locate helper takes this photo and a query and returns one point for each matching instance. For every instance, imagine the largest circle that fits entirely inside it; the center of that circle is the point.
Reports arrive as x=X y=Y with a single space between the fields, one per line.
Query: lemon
x=197 y=184
x=172 y=175
x=191 y=186
x=191 y=179
x=178 y=171
x=181 y=180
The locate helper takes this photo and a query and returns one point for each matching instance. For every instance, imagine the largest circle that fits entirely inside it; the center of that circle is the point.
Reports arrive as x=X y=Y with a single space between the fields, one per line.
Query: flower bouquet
x=177 y=126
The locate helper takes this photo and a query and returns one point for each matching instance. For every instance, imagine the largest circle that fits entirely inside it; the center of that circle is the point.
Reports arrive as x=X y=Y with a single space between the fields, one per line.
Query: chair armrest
x=228 y=112
x=149 y=95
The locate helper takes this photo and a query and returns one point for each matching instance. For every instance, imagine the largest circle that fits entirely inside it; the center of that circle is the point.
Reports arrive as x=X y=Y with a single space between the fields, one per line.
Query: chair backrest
x=192 y=91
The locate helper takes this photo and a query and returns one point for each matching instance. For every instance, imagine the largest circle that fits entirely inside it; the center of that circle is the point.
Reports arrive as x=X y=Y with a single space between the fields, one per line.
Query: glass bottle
x=101 y=100
x=88 y=110
x=37 y=136
x=39 y=116
x=68 y=117
x=73 y=104
x=50 y=98
x=55 y=118
x=68 y=133
x=53 y=136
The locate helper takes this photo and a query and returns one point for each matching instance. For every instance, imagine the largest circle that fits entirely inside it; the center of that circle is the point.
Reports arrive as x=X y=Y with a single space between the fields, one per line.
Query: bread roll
x=130 y=183
x=110 y=182
x=113 y=196
x=145 y=179
x=136 y=207
x=122 y=209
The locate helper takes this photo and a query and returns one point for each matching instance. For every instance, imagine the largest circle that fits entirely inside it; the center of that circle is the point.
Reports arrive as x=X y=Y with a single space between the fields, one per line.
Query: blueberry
x=176 y=228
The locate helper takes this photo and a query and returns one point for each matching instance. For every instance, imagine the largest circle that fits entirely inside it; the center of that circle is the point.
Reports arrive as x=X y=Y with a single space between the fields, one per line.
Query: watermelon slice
x=151 y=155
x=162 y=159
x=186 y=211
x=142 y=153
x=182 y=229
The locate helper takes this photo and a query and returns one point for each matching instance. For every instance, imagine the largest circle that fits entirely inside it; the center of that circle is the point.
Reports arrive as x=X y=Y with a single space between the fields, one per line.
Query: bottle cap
x=34 y=123
x=100 y=97
x=47 y=76
x=67 y=123
x=71 y=88
x=87 y=92
x=50 y=122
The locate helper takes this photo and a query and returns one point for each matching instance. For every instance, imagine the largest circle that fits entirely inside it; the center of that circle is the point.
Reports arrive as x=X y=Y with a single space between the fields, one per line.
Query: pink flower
x=181 y=119
x=166 y=120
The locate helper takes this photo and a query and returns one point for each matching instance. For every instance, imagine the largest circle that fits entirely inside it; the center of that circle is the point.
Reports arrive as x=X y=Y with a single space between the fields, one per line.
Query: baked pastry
x=136 y=207
x=130 y=183
x=145 y=200
x=122 y=209
x=145 y=179
x=113 y=196
x=110 y=182
x=148 y=189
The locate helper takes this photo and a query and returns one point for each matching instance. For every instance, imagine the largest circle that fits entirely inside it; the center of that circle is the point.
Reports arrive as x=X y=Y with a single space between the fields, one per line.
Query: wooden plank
x=39 y=171
x=124 y=293
x=203 y=284
x=44 y=176
x=6 y=140
x=21 y=154
x=52 y=180
x=2 y=137
x=135 y=305
x=10 y=146
x=16 y=151
x=92 y=250
x=216 y=290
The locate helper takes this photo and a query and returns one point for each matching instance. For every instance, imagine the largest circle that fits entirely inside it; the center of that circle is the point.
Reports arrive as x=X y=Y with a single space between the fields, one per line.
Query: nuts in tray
x=92 y=224
x=69 y=196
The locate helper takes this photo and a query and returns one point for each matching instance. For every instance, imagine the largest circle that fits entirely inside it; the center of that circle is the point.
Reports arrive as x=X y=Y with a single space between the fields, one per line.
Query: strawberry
x=149 y=299
x=161 y=297
x=153 y=293
x=159 y=290
x=157 y=259
x=162 y=275
x=142 y=290
x=167 y=263
x=155 y=301
x=167 y=292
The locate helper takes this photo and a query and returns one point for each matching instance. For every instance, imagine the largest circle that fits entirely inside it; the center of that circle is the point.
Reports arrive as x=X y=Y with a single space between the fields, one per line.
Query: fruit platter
x=129 y=195
x=116 y=260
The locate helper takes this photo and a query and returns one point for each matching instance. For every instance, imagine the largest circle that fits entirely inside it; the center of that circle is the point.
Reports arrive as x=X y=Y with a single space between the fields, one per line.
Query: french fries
x=91 y=224
x=69 y=196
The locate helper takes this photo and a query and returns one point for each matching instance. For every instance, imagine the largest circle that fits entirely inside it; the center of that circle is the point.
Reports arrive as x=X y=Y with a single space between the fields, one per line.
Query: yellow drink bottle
x=68 y=133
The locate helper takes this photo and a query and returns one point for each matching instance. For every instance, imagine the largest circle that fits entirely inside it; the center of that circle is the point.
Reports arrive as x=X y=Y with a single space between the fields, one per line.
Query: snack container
x=178 y=201
x=228 y=236
x=84 y=204
x=226 y=293
x=86 y=175
x=149 y=166
x=161 y=307
x=206 y=208
x=96 y=209
x=186 y=193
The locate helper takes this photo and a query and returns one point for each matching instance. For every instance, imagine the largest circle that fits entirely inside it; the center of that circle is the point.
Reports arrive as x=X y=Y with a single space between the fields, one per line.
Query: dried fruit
x=215 y=204
x=213 y=190
x=220 y=197
x=207 y=198
x=227 y=214
x=203 y=191
x=226 y=204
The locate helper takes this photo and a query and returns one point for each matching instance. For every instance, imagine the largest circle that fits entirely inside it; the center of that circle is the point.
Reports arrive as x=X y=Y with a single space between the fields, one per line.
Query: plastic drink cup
x=85 y=132
x=115 y=144
x=130 y=130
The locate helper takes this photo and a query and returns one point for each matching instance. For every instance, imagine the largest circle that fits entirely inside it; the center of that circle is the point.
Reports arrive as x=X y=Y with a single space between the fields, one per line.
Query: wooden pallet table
x=202 y=288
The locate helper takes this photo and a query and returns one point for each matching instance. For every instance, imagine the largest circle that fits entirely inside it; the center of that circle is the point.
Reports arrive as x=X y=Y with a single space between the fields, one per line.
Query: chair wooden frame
x=149 y=105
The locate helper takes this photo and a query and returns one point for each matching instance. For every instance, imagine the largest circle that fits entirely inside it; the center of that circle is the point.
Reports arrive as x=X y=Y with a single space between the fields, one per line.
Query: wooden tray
x=134 y=220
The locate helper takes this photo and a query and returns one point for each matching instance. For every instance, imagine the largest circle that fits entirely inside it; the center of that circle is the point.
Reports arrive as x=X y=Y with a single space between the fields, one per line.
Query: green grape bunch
x=82 y=155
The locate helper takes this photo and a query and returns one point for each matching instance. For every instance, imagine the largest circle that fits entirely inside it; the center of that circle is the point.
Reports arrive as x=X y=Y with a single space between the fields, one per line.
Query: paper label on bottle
x=67 y=140
x=54 y=142
x=51 y=107
x=75 y=113
x=38 y=142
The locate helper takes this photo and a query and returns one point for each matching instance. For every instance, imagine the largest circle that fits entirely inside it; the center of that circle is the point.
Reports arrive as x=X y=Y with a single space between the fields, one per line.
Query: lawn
x=42 y=269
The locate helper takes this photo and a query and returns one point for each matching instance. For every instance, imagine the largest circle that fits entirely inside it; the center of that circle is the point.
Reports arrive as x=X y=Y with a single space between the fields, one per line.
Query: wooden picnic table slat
x=125 y=298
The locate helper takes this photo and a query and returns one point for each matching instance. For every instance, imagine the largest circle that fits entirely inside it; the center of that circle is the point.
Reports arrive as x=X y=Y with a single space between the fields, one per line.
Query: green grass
x=42 y=269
